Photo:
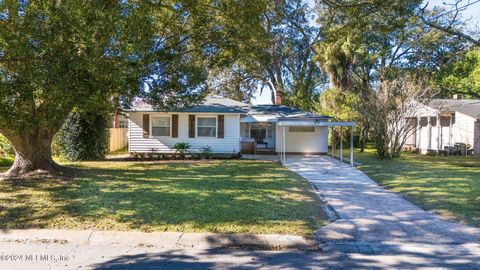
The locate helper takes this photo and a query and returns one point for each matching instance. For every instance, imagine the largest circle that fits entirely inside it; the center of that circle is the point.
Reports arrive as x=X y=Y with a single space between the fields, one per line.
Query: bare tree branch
x=449 y=29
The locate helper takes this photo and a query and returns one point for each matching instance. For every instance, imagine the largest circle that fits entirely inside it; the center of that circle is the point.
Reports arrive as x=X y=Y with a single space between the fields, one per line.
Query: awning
x=258 y=118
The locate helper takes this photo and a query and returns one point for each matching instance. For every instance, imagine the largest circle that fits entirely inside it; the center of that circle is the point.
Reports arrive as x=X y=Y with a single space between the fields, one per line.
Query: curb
x=397 y=247
x=159 y=239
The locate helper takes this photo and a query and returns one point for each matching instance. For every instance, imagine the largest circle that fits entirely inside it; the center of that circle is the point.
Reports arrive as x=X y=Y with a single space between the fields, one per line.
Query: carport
x=284 y=123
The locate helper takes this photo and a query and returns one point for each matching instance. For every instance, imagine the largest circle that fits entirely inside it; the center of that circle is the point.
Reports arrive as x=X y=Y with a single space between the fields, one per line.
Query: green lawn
x=233 y=196
x=449 y=186
x=5 y=163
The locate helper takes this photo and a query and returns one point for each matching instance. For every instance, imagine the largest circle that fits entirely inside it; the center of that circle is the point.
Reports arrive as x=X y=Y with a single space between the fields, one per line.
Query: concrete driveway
x=373 y=220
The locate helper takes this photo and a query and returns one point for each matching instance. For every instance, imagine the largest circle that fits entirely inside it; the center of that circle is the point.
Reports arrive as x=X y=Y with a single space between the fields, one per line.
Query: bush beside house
x=83 y=136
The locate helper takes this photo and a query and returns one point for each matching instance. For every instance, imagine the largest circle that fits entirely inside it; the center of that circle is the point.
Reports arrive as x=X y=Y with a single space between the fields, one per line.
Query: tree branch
x=452 y=32
x=449 y=29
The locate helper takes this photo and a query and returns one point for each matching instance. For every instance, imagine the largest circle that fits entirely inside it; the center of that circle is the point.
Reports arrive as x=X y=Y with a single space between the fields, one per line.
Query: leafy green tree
x=279 y=59
x=462 y=77
x=341 y=105
x=338 y=104
x=56 y=56
x=366 y=42
x=366 y=45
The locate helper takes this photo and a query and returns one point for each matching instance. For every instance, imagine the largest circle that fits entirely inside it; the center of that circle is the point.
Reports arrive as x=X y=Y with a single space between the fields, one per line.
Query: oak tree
x=56 y=56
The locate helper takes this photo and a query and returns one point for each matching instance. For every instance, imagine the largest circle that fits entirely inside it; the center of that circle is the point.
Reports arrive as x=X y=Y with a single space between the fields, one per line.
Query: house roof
x=282 y=111
x=470 y=107
x=218 y=104
x=211 y=104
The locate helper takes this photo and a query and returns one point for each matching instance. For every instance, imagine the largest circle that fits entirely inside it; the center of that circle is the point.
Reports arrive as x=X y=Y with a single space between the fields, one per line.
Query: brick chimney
x=278 y=98
x=457 y=96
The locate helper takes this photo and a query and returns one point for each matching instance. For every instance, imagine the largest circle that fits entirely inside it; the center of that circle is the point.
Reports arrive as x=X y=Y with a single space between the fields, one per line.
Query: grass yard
x=231 y=196
x=449 y=186
x=5 y=163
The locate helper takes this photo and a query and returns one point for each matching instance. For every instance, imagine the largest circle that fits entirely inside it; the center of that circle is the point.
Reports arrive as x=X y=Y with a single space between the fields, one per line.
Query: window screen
x=207 y=127
x=161 y=126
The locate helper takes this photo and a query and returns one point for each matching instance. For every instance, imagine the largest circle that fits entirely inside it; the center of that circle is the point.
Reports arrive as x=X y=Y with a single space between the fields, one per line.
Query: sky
x=471 y=15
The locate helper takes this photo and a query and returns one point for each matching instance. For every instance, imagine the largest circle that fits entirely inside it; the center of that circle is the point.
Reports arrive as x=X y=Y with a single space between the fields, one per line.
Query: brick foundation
x=476 y=138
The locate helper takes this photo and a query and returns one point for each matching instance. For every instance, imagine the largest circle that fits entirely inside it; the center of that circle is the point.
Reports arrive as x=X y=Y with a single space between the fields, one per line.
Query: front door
x=258 y=132
x=263 y=134
x=270 y=140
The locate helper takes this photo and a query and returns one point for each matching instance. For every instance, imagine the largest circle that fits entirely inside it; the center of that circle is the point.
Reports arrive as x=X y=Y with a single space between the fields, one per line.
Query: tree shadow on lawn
x=216 y=196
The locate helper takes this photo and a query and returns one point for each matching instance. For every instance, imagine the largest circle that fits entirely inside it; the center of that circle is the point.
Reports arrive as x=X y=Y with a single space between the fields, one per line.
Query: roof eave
x=152 y=111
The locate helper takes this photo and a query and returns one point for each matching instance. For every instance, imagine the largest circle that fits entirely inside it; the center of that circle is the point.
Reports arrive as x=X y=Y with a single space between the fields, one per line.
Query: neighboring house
x=444 y=122
x=227 y=126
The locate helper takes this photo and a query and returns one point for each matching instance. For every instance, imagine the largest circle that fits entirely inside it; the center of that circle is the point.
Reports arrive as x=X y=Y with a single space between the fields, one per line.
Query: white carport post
x=284 y=146
x=351 y=146
x=333 y=142
x=280 y=147
x=280 y=151
x=341 y=143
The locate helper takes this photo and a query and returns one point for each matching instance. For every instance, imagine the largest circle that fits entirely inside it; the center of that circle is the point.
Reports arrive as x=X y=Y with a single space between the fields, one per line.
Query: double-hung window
x=161 y=126
x=206 y=126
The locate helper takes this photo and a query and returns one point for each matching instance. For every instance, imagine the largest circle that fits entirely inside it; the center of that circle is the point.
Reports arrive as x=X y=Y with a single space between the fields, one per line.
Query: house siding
x=476 y=144
x=462 y=131
x=303 y=142
x=138 y=144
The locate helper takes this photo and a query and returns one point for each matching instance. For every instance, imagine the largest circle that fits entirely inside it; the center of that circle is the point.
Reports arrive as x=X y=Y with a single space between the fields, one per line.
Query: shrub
x=57 y=147
x=182 y=148
x=6 y=148
x=6 y=162
x=83 y=136
x=206 y=152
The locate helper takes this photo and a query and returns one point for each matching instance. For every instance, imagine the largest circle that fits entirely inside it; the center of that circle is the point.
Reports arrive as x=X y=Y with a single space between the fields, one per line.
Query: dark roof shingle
x=218 y=104
x=470 y=107
x=212 y=104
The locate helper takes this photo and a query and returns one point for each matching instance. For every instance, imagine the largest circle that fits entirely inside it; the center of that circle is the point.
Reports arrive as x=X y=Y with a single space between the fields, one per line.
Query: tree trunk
x=363 y=138
x=332 y=81
x=272 y=91
x=33 y=152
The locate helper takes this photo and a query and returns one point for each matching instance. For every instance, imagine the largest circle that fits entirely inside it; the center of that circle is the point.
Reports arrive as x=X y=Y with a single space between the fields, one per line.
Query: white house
x=228 y=126
x=444 y=122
